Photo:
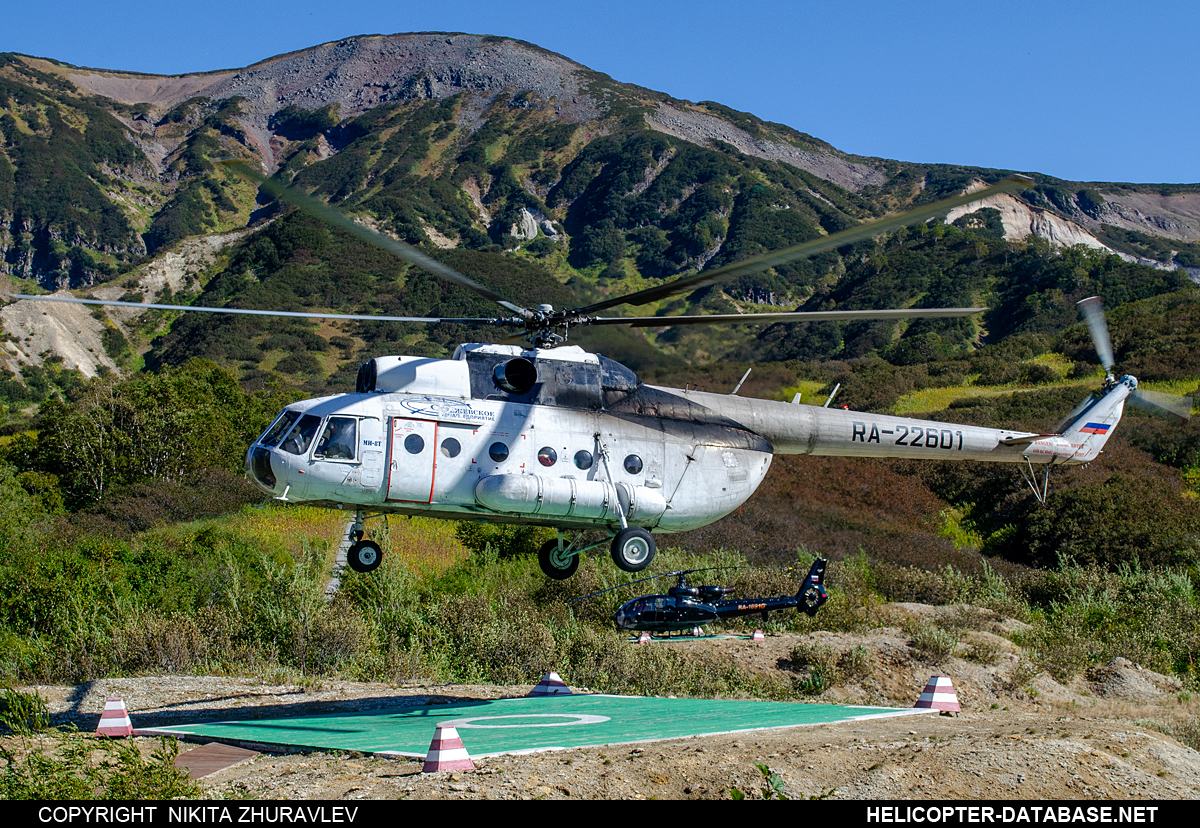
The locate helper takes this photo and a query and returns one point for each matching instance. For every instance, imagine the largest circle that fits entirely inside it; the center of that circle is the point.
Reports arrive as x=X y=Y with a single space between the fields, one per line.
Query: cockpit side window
x=302 y=435
x=339 y=440
x=279 y=428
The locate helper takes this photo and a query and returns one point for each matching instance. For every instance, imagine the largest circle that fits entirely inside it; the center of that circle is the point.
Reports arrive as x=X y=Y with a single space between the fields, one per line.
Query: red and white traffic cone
x=939 y=695
x=446 y=752
x=551 y=685
x=114 y=721
x=757 y=635
x=644 y=638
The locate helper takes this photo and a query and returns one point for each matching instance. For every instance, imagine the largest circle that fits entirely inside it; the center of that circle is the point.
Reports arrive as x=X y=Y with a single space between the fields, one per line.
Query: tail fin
x=812 y=592
x=1094 y=420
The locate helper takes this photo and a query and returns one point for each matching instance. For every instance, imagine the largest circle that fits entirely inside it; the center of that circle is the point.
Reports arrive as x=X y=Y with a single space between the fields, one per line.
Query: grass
x=938 y=399
x=1059 y=363
x=810 y=392
x=927 y=400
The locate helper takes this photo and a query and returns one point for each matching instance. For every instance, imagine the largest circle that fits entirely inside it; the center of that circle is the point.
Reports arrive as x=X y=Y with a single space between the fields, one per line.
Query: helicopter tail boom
x=807 y=429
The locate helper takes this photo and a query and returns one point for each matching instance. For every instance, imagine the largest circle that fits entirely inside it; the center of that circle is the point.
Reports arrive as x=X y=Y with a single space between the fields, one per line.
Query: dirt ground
x=1021 y=735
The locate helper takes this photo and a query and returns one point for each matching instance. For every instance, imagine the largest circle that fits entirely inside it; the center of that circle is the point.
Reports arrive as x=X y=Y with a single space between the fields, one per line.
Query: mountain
x=519 y=166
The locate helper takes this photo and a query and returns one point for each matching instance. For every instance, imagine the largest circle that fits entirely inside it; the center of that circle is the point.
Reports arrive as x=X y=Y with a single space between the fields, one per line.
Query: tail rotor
x=1158 y=402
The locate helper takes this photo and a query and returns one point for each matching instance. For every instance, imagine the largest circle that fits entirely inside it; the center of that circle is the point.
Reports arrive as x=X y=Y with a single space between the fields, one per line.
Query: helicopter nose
x=266 y=471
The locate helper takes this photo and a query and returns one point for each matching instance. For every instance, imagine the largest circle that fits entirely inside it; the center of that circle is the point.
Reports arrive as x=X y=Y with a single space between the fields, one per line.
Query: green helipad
x=489 y=728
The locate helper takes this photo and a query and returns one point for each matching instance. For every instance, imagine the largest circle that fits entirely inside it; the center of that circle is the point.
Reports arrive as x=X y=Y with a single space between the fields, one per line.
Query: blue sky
x=1091 y=91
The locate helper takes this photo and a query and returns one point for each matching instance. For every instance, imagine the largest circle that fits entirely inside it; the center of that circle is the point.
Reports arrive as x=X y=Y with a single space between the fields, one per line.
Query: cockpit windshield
x=301 y=436
x=279 y=428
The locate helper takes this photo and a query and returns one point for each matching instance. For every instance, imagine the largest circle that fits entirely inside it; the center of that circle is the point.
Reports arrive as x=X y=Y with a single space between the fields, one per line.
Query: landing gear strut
x=633 y=547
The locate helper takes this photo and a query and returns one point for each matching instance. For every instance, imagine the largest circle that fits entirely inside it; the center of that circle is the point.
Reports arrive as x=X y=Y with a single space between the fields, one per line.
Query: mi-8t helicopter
x=686 y=607
x=550 y=435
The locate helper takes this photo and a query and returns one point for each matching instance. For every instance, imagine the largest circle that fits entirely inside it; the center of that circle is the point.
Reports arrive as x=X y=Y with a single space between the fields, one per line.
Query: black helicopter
x=686 y=607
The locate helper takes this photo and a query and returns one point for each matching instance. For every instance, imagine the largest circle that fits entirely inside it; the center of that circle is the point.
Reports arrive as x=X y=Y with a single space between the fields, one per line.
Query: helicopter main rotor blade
x=394 y=246
x=1093 y=314
x=809 y=248
x=800 y=316
x=347 y=316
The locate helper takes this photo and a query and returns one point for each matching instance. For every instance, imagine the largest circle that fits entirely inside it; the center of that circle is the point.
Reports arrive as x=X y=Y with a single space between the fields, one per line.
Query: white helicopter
x=552 y=435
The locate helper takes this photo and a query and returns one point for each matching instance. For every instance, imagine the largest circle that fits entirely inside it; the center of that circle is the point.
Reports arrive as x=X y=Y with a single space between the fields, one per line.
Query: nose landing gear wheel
x=557 y=563
x=633 y=549
x=364 y=556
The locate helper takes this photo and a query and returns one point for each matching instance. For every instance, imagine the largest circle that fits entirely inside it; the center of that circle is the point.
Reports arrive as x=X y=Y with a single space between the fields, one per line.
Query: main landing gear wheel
x=558 y=563
x=364 y=556
x=633 y=549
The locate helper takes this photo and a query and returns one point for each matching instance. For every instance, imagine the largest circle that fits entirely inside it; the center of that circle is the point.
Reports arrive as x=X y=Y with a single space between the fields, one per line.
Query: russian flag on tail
x=1095 y=428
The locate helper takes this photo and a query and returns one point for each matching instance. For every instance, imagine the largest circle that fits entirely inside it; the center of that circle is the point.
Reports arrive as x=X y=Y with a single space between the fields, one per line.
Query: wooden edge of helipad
x=212 y=757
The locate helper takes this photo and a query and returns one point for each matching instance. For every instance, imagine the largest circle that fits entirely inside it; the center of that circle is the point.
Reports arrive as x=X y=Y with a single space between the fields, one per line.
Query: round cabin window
x=451 y=447
x=633 y=464
x=583 y=459
x=414 y=444
x=547 y=456
x=498 y=452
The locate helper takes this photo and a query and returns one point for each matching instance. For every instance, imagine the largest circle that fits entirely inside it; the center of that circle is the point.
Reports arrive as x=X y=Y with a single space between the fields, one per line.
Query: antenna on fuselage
x=737 y=387
x=836 y=388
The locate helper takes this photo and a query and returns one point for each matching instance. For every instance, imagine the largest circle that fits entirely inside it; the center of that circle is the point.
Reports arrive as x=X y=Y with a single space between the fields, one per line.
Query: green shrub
x=818 y=668
x=75 y=766
x=1186 y=731
x=24 y=713
x=505 y=539
x=932 y=643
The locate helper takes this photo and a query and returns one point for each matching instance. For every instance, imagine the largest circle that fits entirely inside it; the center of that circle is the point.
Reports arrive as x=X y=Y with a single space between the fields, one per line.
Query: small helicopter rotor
x=681 y=574
x=678 y=573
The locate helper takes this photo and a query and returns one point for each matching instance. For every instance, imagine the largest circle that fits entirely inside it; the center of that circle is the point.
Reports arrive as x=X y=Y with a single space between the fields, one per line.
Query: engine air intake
x=368 y=374
x=517 y=376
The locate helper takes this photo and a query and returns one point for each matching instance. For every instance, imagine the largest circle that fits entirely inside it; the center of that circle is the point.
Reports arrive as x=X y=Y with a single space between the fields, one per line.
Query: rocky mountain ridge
x=361 y=73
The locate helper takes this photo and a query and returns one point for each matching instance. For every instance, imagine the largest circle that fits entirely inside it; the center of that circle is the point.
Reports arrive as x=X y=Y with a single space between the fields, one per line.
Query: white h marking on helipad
x=579 y=719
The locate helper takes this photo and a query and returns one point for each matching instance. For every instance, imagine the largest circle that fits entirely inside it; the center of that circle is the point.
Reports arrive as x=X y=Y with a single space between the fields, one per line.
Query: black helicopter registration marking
x=915 y=436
